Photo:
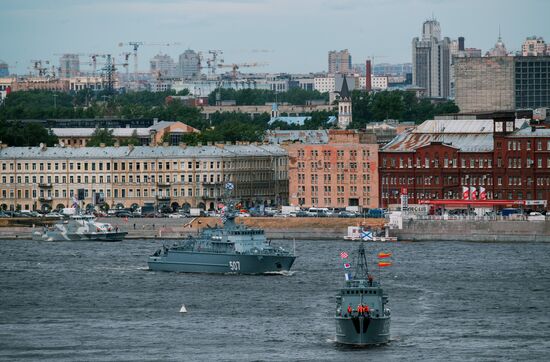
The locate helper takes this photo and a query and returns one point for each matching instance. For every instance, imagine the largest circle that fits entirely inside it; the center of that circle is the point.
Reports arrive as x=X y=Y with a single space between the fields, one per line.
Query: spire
x=499 y=37
x=344 y=92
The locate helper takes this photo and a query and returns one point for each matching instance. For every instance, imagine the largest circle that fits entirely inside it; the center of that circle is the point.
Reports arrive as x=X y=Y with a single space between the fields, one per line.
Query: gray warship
x=231 y=248
x=362 y=316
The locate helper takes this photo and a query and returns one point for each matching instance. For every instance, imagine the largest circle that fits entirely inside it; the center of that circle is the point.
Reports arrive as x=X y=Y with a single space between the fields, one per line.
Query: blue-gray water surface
x=90 y=301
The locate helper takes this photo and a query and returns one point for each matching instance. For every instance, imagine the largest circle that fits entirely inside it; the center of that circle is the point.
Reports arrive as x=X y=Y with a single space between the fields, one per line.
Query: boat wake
x=286 y=273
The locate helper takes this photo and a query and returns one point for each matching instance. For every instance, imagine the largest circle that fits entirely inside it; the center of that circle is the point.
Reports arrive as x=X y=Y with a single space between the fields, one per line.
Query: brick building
x=342 y=172
x=505 y=156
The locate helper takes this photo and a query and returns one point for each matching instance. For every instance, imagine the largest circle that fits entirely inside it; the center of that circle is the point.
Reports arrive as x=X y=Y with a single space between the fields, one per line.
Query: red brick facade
x=342 y=173
x=517 y=167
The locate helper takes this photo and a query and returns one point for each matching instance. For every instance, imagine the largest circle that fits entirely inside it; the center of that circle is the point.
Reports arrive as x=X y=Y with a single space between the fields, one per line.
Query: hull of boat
x=362 y=331
x=205 y=262
x=58 y=236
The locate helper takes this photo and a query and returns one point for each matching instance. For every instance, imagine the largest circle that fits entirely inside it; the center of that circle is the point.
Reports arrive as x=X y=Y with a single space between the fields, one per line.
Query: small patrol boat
x=231 y=248
x=362 y=315
x=80 y=228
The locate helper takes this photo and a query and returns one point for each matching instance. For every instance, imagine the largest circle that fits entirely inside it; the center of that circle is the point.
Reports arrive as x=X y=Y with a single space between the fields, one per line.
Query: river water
x=97 y=301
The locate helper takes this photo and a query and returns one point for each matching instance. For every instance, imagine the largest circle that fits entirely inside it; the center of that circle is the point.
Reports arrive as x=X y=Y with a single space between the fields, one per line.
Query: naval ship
x=80 y=228
x=362 y=316
x=231 y=248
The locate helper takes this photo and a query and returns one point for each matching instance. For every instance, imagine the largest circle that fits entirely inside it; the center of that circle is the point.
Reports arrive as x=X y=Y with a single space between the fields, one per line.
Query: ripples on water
x=97 y=301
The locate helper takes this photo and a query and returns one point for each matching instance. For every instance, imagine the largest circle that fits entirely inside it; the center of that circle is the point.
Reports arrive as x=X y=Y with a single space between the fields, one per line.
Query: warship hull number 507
x=231 y=248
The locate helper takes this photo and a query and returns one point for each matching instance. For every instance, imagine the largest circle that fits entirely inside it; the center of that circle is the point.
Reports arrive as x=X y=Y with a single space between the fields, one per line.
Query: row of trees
x=25 y=134
x=367 y=107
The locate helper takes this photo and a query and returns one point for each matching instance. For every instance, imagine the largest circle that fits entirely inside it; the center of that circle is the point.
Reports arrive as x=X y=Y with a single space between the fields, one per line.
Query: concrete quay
x=166 y=228
x=474 y=230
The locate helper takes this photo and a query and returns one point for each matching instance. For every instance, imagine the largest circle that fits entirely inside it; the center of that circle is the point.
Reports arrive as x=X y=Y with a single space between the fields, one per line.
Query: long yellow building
x=44 y=178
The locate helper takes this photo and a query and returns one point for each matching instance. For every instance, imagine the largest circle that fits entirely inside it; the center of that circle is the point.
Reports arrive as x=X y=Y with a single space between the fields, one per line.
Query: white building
x=88 y=82
x=324 y=84
x=533 y=46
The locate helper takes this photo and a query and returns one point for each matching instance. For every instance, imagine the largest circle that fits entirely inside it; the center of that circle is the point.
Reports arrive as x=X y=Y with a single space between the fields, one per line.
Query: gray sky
x=297 y=33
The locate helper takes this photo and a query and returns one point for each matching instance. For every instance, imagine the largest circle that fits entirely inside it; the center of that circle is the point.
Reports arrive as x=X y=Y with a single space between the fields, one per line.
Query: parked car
x=243 y=214
x=53 y=214
x=347 y=214
x=176 y=216
x=123 y=213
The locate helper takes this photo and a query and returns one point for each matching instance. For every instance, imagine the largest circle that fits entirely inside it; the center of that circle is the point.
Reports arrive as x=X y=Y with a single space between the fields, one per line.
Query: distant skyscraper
x=162 y=65
x=4 y=71
x=189 y=65
x=69 y=66
x=339 y=62
x=431 y=61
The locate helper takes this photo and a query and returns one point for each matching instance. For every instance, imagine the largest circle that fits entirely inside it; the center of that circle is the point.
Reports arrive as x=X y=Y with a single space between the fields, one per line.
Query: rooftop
x=139 y=152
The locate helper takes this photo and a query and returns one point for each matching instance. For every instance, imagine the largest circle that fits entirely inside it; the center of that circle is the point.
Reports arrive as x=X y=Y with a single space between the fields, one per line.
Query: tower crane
x=237 y=66
x=135 y=46
x=212 y=59
x=41 y=66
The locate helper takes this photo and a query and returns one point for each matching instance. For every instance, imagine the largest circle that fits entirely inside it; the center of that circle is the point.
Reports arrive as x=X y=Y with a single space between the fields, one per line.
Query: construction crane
x=135 y=46
x=211 y=58
x=41 y=66
x=236 y=67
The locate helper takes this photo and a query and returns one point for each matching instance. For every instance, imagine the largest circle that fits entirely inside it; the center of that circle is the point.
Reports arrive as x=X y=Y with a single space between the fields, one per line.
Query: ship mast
x=228 y=212
x=362 y=270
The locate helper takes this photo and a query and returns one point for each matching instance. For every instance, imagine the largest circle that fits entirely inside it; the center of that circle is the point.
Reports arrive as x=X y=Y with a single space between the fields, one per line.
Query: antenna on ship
x=228 y=214
x=362 y=270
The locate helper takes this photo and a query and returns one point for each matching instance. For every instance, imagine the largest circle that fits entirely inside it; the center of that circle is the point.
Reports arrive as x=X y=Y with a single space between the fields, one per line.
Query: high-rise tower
x=431 y=61
x=189 y=65
x=339 y=62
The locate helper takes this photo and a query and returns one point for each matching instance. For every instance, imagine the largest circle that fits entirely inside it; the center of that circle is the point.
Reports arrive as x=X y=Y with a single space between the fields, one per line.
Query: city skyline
x=255 y=31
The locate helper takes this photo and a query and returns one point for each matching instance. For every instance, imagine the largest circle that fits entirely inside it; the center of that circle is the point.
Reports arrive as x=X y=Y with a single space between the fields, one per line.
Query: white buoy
x=183 y=309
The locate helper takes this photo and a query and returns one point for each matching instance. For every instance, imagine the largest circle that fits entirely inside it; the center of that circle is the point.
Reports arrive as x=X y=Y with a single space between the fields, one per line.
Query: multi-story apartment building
x=533 y=46
x=162 y=65
x=189 y=65
x=340 y=173
x=69 y=66
x=506 y=157
x=431 y=61
x=324 y=84
x=339 y=62
x=177 y=176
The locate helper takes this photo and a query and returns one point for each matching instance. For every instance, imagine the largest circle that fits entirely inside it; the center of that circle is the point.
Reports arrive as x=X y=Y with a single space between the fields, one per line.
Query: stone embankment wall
x=275 y=228
x=470 y=230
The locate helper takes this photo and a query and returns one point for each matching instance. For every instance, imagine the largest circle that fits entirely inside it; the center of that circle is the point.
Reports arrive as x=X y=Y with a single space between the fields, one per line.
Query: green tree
x=30 y=134
x=101 y=135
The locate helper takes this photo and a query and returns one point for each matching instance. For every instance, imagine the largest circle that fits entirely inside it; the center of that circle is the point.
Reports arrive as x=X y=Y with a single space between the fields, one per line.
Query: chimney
x=183 y=145
x=43 y=147
x=368 y=76
x=165 y=144
x=130 y=147
x=102 y=145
